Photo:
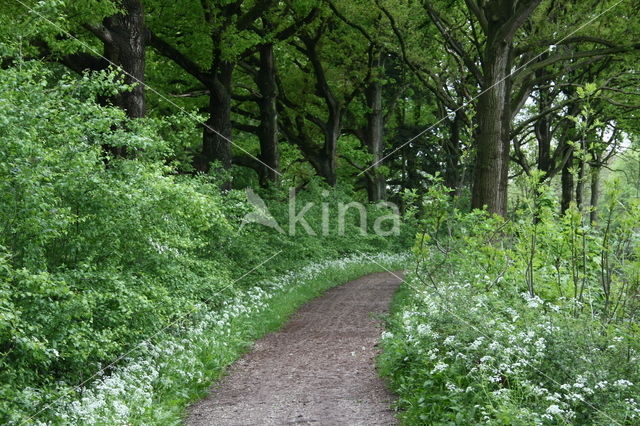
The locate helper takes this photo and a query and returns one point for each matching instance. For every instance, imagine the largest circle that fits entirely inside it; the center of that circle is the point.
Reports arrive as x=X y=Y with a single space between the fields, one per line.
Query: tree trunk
x=580 y=184
x=333 y=126
x=453 y=151
x=492 y=155
x=500 y=20
x=595 y=193
x=216 y=145
x=567 y=183
x=127 y=50
x=329 y=152
x=414 y=178
x=506 y=141
x=374 y=140
x=268 y=129
x=542 y=129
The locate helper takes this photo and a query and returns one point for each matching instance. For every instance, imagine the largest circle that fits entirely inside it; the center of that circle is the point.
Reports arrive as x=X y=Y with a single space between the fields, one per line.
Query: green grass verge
x=385 y=366
x=170 y=403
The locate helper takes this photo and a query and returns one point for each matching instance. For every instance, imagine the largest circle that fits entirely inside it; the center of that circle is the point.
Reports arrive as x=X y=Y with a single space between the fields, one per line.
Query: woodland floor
x=318 y=369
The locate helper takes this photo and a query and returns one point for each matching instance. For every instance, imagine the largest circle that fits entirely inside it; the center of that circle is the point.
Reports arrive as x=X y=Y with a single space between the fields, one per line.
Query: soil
x=318 y=369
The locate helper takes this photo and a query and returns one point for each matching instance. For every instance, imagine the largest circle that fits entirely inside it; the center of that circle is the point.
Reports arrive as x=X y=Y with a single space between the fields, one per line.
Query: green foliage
x=99 y=251
x=526 y=321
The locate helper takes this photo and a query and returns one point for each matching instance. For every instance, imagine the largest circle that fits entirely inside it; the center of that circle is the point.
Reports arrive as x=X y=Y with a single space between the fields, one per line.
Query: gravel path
x=318 y=369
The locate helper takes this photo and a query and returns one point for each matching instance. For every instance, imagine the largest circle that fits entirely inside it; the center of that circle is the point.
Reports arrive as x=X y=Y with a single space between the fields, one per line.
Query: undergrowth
x=100 y=251
x=529 y=321
x=157 y=382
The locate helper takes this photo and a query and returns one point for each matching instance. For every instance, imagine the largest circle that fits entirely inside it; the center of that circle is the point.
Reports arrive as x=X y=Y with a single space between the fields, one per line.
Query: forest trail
x=318 y=369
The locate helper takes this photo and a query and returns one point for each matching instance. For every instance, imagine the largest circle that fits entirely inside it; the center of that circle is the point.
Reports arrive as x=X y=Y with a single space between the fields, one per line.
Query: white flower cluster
x=129 y=391
x=502 y=351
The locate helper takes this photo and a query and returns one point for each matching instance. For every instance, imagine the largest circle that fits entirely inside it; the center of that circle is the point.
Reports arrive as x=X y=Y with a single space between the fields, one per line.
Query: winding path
x=318 y=369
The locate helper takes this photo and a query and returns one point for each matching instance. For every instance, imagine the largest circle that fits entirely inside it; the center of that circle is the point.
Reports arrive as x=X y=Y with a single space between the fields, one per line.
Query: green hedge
x=97 y=252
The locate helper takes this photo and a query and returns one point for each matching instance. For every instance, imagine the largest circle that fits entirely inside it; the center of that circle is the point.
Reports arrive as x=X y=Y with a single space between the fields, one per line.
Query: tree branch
x=479 y=14
x=350 y=23
x=453 y=43
x=258 y=9
x=582 y=54
x=100 y=31
x=522 y=13
x=170 y=52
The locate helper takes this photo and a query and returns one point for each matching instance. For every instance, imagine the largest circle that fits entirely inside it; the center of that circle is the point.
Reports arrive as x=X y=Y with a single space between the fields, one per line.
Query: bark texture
x=500 y=19
x=374 y=140
x=216 y=139
x=268 y=129
x=127 y=50
x=567 y=183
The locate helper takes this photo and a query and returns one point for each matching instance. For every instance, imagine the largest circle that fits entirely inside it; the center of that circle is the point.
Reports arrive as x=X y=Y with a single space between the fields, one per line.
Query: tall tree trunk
x=500 y=20
x=492 y=156
x=567 y=183
x=506 y=136
x=333 y=126
x=268 y=129
x=329 y=152
x=453 y=151
x=125 y=46
x=216 y=145
x=595 y=193
x=374 y=139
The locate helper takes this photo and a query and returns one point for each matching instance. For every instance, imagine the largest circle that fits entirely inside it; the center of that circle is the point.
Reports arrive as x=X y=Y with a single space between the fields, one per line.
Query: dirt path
x=319 y=369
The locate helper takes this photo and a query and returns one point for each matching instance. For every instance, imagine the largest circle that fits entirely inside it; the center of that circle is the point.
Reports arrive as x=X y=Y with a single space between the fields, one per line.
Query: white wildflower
x=441 y=366
x=554 y=410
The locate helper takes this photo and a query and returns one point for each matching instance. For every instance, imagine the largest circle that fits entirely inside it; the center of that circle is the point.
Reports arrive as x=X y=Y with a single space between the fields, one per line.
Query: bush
x=98 y=251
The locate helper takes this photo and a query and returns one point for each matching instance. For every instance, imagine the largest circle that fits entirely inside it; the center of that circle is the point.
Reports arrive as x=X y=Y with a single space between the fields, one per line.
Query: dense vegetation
x=527 y=321
x=98 y=253
x=505 y=130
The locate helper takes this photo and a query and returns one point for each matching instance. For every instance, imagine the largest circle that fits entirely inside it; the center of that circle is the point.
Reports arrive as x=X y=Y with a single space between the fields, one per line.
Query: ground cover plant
x=531 y=321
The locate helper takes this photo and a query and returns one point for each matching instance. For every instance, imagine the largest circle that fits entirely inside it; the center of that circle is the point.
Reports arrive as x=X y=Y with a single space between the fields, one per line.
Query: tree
x=117 y=25
x=499 y=21
x=332 y=76
x=124 y=38
x=371 y=131
x=229 y=33
x=220 y=23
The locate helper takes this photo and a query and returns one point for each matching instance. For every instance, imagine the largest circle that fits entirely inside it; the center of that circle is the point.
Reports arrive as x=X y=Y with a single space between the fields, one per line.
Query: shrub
x=99 y=251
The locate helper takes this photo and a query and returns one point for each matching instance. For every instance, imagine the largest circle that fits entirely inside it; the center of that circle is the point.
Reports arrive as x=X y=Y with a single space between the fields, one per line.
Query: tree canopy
x=340 y=90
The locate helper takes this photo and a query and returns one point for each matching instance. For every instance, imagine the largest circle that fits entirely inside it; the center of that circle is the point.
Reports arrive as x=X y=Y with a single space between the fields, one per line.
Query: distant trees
x=214 y=26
